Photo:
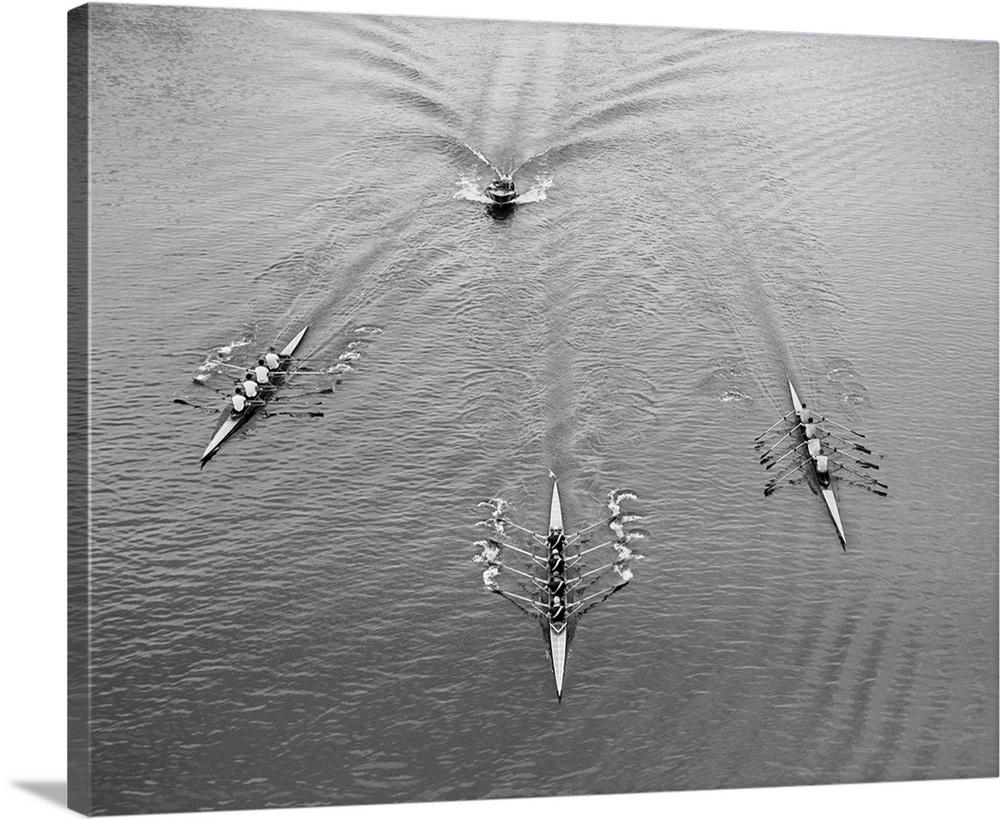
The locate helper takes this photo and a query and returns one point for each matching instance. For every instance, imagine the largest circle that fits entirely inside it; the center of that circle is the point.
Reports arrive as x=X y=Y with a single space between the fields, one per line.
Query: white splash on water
x=471 y=189
x=483 y=158
x=220 y=356
x=535 y=193
x=616 y=497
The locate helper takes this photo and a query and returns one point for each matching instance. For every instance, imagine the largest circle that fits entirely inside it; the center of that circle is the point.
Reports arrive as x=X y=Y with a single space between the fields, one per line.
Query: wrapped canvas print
x=465 y=409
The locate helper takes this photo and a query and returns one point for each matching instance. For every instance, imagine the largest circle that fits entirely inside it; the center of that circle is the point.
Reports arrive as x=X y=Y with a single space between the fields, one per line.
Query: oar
x=228 y=366
x=578 y=555
x=866 y=478
x=522 y=551
x=879 y=492
x=604 y=595
x=782 y=438
x=865 y=482
x=521 y=528
x=518 y=571
x=847 y=429
x=514 y=598
x=780 y=421
x=863 y=464
x=196 y=406
x=580 y=532
x=295 y=414
x=214 y=389
x=771 y=486
x=779 y=460
x=286 y=397
x=597 y=570
x=855 y=444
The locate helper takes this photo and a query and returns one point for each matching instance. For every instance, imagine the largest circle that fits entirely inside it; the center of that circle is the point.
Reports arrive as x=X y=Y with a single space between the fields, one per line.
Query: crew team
x=557 y=580
x=247 y=392
x=822 y=462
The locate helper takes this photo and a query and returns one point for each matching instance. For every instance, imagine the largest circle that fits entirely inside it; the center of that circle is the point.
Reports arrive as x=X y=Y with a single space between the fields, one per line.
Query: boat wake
x=471 y=189
x=472 y=183
x=358 y=341
x=535 y=193
x=487 y=161
x=730 y=381
x=735 y=397
x=852 y=393
x=220 y=358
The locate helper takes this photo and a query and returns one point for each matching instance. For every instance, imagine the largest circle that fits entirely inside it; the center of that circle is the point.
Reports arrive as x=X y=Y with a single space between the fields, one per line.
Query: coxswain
x=271 y=359
x=823 y=470
x=239 y=401
x=261 y=372
x=250 y=385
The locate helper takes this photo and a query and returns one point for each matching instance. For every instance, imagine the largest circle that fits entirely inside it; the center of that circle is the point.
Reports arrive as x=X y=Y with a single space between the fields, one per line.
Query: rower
x=815 y=448
x=239 y=401
x=556 y=561
x=823 y=470
x=261 y=372
x=557 y=611
x=557 y=584
x=271 y=359
x=250 y=385
x=810 y=428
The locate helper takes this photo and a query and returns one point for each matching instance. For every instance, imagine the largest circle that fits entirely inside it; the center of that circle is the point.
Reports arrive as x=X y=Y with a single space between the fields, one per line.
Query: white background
x=32 y=414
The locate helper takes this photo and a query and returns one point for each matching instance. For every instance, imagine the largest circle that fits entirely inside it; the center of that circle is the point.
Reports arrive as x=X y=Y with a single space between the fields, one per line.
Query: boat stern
x=831 y=504
x=557 y=646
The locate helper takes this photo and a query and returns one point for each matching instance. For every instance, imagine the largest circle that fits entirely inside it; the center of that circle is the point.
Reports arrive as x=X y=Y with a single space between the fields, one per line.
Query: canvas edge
x=78 y=790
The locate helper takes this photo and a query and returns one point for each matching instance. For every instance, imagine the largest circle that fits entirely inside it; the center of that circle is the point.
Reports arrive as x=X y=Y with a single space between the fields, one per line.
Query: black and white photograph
x=477 y=408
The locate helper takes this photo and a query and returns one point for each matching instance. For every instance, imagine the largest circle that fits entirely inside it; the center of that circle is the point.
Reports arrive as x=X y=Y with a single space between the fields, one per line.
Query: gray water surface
x=706 y=214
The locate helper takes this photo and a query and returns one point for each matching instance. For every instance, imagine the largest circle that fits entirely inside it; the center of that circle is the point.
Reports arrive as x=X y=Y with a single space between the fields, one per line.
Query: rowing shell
x=233 y=421
x=826 y=491
x=557 y=631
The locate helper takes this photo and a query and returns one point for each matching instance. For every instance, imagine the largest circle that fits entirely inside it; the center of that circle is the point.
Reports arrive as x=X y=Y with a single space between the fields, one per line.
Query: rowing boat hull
x=232 y=422
x=557 y=645
x=557 y=631
x=827 y=492
x=833 y=509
